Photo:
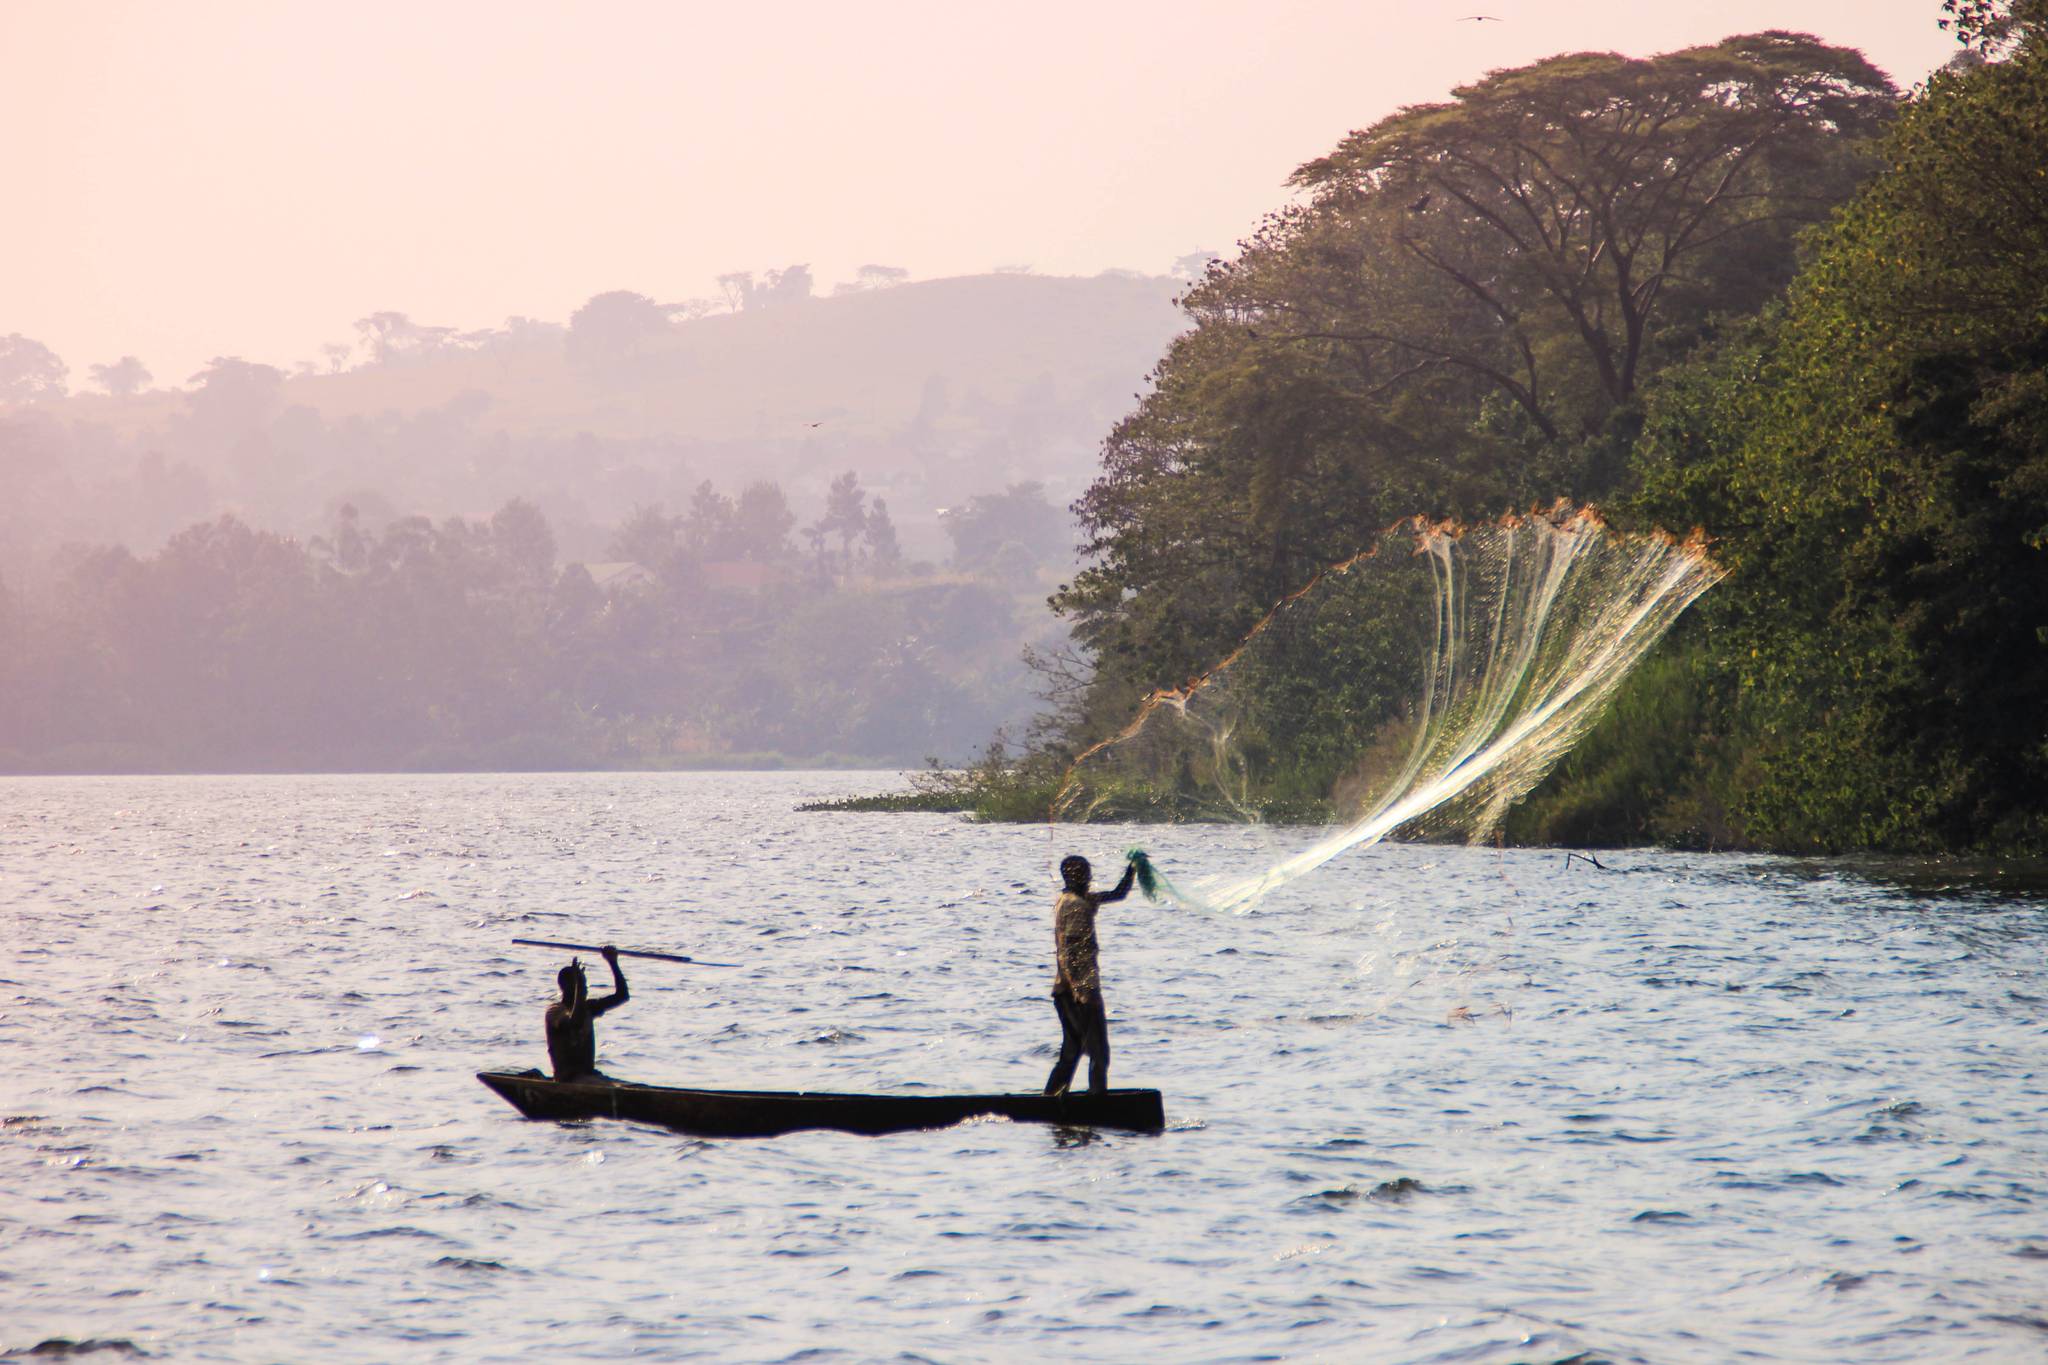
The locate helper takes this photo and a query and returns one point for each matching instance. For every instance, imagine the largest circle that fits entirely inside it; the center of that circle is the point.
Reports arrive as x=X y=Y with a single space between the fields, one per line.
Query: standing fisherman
x=1076 y=983
x=572 y=1020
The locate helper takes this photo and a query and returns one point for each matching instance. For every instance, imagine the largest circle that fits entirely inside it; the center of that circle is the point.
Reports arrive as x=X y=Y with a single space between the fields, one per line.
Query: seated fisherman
x=572 y=1029
x=1076 y=983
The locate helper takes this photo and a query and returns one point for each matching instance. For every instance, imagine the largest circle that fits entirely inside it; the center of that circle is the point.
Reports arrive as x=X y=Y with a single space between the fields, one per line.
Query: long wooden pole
x=622 y=952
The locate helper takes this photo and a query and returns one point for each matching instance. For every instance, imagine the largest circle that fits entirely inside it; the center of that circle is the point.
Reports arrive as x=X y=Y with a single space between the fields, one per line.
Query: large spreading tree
x=1457 y=315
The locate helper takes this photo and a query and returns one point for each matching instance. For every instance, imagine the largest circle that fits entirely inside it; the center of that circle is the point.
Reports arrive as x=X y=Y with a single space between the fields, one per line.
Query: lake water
x=1433 y=1104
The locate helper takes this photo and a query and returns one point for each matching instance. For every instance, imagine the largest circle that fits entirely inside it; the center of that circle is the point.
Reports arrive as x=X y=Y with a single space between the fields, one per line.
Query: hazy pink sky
x=249 y=178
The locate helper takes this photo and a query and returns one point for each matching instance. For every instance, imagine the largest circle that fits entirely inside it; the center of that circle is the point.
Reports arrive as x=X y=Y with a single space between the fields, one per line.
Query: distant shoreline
x=712 y=763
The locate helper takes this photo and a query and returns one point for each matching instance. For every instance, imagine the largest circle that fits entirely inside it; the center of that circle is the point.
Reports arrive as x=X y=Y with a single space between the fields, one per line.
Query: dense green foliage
x=1874 y=457
x=1743 y=288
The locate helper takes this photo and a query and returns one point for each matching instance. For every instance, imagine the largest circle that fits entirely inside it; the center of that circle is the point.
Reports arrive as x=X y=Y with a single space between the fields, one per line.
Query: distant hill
x=865 y=361
x=932 y=392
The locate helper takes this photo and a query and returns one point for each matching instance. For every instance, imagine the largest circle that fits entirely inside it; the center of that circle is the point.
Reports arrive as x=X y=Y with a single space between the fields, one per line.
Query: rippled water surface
x=1432 y=1105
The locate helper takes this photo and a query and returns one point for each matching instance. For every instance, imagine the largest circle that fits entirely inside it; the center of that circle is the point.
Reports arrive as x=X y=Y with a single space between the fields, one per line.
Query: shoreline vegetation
x=1750 y=288
x=996 y=788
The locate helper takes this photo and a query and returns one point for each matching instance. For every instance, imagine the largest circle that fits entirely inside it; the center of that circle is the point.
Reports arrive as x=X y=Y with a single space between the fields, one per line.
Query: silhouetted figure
x=1076 y=982
x=572 y=1020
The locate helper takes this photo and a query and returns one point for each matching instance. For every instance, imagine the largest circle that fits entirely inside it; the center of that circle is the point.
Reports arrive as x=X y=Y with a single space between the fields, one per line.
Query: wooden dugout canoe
x=766 y=1113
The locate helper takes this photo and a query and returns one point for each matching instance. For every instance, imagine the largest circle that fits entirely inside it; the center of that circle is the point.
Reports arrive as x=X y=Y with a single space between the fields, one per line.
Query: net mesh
x=1418 y=689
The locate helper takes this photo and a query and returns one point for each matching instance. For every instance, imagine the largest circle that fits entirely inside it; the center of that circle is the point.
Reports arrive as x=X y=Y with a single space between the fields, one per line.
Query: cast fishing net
x=1416 y=690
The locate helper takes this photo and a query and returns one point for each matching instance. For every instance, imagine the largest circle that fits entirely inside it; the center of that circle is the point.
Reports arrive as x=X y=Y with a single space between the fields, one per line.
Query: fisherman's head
x=1075 y=872
x=574 y=987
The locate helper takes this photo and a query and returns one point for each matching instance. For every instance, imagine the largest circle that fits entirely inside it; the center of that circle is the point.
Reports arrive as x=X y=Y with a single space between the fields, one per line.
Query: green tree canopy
x=1875 y=460
x=1533 y=229
x=1456 y=317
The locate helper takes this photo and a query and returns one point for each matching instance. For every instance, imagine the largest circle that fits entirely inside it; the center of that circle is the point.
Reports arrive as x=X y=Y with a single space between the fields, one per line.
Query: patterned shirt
x=1073 y=946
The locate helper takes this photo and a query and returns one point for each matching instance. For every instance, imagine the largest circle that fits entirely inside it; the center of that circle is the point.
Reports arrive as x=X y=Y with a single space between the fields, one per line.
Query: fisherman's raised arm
x=619 y=994
x=1122 y=888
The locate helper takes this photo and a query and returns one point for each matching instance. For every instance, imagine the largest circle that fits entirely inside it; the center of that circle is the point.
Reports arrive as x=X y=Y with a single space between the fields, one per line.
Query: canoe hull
x=768 y=1113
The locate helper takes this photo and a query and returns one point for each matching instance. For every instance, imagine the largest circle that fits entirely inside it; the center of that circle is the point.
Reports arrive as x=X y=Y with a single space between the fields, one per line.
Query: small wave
x=478 y=1200
x=63 y=1348
x=2038 y=1324
x=1396 y=1191
x=1431 y=1272
x=1042 y=1232
x=468 y=1263
x=1601 y=1137
x=831 y=1038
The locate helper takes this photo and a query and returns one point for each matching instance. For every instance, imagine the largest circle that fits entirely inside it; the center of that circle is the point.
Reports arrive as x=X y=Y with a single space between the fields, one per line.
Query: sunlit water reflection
x=1433 y=1105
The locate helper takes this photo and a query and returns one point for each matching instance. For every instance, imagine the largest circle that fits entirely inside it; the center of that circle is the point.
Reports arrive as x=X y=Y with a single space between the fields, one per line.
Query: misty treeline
x=729 y=630
x=960 y=402
x=1748 y=287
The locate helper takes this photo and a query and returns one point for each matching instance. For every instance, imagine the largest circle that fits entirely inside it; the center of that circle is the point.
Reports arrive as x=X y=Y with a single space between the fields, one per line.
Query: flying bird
x=1420 y=204
x=1481 y=19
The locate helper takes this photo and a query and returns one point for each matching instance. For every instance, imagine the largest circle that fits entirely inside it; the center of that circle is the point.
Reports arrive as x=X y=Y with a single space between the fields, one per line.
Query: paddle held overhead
x=622 y=952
